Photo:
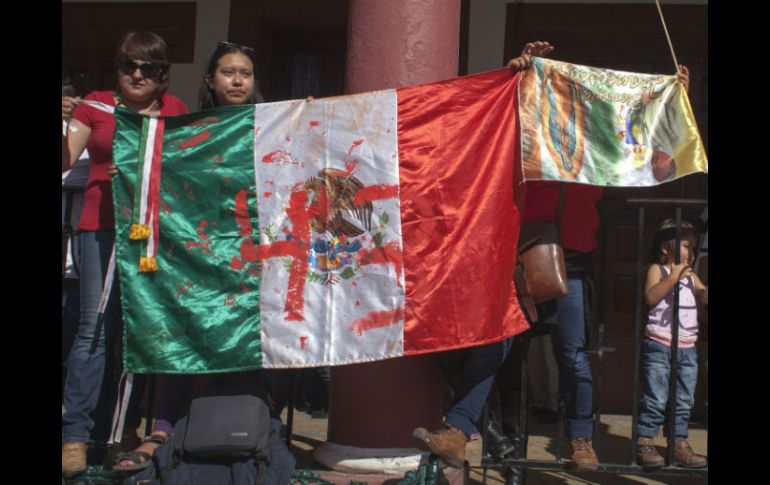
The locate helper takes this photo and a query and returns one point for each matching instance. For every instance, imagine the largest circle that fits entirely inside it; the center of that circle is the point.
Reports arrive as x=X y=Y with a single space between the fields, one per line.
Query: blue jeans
x=654 y=405
x=70 y=320
x=90 y=389
x=569 y=342
x=475 y=383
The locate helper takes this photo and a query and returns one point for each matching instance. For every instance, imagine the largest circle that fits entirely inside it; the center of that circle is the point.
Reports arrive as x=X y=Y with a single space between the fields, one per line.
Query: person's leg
x=652 y=405
x=87 y=363
x=575 y=381
x=475 y=382
x=687 y=365
x=70 y=320
x=173 y=392
x=656 y=359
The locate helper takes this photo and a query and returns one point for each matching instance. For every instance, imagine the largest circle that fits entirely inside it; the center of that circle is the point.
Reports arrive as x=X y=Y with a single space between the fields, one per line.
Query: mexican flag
x=341 y=230
x=603 y=127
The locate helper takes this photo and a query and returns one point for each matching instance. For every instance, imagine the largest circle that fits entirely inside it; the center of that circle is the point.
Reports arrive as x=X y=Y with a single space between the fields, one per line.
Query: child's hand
x=684 y=270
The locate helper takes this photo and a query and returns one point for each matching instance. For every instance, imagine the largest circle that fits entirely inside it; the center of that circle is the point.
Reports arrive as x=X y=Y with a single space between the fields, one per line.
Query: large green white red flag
x=336 y=231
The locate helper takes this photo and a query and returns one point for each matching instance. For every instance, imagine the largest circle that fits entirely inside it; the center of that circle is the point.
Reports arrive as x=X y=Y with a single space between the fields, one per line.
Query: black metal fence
x=514 y=467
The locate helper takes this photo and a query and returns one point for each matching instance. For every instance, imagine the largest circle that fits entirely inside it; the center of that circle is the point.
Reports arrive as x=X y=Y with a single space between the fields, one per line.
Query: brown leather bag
x=540 y=271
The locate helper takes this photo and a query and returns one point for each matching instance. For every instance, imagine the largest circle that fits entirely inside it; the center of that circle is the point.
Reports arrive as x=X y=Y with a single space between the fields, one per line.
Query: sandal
x=139 y=459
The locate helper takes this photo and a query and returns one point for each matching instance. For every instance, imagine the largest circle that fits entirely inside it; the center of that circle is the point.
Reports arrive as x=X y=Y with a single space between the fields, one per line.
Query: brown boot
x=448 y=443
x=687 y=458
x=647 y=455
x=73 y=459
x=583 y=455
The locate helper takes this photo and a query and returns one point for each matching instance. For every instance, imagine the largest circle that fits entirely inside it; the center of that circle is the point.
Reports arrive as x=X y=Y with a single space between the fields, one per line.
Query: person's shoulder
x=655 y=270
x=174 y=105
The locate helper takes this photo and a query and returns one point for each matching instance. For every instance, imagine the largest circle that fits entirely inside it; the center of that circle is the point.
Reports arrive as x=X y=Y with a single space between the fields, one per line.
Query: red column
x=392 y=44
x=400 y=43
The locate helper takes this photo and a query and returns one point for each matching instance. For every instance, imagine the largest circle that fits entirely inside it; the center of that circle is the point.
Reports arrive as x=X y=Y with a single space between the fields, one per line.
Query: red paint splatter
x=236 y=263
x=165 y=207
x=244 y=287
x=180 y=290
x=208 y=120
x=281 y=157
x=355 y=145
x=377 y=320
x=288 y=138
x=189 y=284
x=269 y=182
x=313 y=124
x=375 y=192
x=389 y=253
x=242 y=213
x=204 y=242
x=302 y=341
x=358 y=303
x=230 y=300
x=267 y=195
x=196 y=140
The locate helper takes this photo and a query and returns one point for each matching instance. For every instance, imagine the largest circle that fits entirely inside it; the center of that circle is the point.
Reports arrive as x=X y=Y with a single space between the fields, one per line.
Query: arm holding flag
x=74 y=141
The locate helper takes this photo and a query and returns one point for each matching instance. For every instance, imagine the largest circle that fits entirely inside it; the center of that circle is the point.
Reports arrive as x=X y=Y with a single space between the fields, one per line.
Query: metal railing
x=514 y=467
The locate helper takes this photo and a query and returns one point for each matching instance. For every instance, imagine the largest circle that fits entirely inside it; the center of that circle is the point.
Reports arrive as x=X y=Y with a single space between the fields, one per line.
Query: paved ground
x=613 y=447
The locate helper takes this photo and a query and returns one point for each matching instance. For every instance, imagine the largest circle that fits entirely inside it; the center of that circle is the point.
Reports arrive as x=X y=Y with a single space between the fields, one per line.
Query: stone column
x=374 y=407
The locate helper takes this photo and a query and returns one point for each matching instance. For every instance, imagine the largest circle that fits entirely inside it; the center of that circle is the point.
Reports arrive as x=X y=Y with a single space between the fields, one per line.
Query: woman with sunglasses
x=143 y=76
x=228 y=80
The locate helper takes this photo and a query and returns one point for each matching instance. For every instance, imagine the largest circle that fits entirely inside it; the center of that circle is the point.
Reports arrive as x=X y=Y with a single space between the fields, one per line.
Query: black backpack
x=227 y=439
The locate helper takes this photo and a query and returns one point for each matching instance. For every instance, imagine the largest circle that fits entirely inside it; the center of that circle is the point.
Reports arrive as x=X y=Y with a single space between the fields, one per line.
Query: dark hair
x=206 y=97
x=145 y=46
x=665 y=238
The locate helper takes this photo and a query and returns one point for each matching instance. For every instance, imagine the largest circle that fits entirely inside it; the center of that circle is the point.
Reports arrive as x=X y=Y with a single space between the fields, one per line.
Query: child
x=662 y=275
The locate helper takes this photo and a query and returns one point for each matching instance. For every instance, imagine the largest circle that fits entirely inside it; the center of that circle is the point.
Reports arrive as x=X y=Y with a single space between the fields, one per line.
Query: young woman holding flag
x=142 y=69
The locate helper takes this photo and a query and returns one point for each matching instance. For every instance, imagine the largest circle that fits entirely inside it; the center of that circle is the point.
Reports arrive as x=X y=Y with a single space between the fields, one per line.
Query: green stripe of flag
x=202 y=313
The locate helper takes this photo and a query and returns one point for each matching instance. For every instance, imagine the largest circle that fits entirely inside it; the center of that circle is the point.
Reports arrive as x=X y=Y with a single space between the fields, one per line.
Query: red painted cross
x=298 y=243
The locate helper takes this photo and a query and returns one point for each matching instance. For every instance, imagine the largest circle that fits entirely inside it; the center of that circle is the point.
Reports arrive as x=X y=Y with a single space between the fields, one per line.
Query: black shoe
x=499 y=445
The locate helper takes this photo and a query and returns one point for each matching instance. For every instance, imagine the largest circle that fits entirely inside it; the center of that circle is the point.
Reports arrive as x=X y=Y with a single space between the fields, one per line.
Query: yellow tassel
x=148 y=264
x=139 y=231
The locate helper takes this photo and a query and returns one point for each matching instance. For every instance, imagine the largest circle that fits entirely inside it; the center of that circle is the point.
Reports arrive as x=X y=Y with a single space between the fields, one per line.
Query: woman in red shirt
x=143 y=77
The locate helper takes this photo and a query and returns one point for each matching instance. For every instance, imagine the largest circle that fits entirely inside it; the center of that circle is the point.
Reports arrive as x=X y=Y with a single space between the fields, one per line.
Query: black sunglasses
x=149 y=70
x=243 y=48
